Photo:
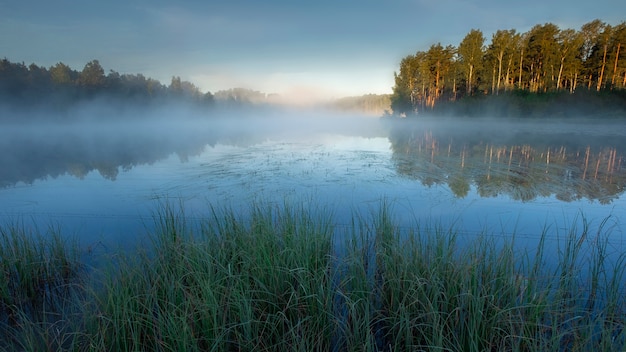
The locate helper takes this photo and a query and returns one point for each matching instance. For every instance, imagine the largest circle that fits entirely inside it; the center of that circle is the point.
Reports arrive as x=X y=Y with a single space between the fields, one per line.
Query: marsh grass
x=40 y=288
x=285 y=278
x=259 y=284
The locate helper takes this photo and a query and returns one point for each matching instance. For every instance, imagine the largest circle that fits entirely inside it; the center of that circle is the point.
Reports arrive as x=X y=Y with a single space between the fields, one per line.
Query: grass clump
x=40 y=288
x=260 y=284
x=282 y=278
x=486 y=295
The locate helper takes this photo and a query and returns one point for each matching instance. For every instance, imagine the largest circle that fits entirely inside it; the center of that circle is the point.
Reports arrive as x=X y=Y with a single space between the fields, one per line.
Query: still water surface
x=102 y=183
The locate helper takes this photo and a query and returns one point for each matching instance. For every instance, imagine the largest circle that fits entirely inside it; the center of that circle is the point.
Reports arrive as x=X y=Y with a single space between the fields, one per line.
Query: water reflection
x=29 y=155
x=439 y=171
x=569 y=161
x=517 y=163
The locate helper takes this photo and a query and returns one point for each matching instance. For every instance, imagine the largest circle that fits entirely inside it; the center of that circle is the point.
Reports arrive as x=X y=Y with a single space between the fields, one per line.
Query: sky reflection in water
x=474 y=180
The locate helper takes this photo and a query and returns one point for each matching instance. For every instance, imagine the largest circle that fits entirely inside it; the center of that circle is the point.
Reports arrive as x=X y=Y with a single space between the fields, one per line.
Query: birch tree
x=569 y=42
x=501 y=50
x=403 y=91
x=603 y=48
x=470 y=53
x=590 y=33
x=439 y=62
x=618 y=56
x=542 y=56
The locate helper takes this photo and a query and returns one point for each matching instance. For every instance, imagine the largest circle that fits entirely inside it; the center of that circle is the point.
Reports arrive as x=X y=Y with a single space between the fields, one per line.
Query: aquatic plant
x=285 y=277
x=40 y=287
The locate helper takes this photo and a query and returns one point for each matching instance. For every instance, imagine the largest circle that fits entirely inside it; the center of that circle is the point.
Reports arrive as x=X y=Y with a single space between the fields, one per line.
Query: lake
x=103 y=182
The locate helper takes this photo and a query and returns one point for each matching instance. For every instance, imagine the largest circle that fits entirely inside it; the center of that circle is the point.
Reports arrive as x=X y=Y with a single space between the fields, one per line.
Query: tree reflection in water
x=523 y=166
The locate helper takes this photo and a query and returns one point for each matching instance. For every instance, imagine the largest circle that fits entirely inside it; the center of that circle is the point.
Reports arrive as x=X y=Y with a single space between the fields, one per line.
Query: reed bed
x=40 y=288
x=284 y=278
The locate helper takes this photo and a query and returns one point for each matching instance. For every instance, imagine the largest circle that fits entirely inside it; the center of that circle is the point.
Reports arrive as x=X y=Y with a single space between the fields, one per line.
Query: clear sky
x=301 y=49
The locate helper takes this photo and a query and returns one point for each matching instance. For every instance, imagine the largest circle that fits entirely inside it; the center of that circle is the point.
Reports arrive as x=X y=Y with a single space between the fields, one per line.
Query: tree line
x=371 y=104
x=545 y=59
x=61 y=86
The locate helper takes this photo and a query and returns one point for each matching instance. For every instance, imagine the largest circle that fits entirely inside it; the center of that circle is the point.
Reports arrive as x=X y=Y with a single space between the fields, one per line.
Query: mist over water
x=102 y=173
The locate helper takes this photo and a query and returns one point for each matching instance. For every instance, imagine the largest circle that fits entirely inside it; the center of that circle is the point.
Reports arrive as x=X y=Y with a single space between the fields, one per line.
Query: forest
x=517 y=74
x=546 y=71
x=369 y=104
x=60 y=86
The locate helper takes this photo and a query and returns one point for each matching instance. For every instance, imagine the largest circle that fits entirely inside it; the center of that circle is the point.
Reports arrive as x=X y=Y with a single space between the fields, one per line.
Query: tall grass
x=486 y=299
x=284 y=278
x=259 y=284
x=40 y=288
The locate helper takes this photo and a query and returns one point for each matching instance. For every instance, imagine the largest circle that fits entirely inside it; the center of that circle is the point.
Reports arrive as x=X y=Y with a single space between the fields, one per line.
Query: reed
x=41 y=288
x=283 y=277
x=256 y=284
x=481 y=297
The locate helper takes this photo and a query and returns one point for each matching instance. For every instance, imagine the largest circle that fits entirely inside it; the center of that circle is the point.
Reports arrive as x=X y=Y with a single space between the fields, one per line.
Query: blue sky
x=300 y=49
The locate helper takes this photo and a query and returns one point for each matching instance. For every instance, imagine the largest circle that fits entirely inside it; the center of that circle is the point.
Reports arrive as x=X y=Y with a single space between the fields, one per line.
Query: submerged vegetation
x=286 y=278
